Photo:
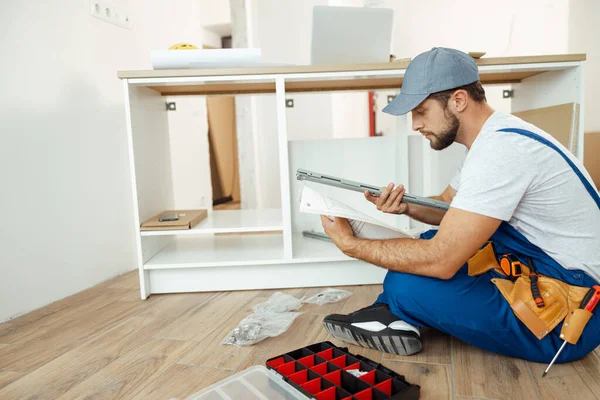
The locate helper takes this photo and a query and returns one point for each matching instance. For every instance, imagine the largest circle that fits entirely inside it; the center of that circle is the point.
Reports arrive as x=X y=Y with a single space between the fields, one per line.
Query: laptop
x=351 y=35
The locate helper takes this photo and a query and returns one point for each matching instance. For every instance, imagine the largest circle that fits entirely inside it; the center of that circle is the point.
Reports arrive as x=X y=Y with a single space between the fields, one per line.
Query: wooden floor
x=105 y=343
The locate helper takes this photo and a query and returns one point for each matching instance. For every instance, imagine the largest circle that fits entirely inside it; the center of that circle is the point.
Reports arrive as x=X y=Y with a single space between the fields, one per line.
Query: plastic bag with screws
x=259 y=326
x=328 y=296
x=278 y=303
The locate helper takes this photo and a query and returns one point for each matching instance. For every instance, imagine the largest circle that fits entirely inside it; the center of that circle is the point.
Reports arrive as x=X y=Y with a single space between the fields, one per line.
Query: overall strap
x=548 y=143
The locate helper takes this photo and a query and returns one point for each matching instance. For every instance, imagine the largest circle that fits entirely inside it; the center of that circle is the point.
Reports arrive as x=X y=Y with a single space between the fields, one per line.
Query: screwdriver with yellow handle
x=589 y=303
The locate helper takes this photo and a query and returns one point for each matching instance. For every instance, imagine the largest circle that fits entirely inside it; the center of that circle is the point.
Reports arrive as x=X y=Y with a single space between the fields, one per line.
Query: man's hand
x=461 y=234
x=390 y=200
x=339 y=230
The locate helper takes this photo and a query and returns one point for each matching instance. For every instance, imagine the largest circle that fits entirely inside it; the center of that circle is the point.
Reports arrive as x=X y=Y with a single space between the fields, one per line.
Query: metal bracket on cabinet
x=171 y=106
x=508 y=94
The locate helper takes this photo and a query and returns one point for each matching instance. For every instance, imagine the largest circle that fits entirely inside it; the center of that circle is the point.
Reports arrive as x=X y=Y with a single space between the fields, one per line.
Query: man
x=518 y=187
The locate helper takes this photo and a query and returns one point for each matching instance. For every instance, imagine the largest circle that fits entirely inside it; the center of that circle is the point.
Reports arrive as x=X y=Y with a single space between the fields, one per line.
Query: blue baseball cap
x=433 y=71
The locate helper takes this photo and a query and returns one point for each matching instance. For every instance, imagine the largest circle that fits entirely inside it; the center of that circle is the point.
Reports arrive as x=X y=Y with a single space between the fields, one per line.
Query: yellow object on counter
x=183 y=46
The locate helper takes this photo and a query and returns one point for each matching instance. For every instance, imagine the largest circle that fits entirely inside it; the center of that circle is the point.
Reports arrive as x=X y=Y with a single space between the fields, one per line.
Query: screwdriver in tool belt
x=589 y=303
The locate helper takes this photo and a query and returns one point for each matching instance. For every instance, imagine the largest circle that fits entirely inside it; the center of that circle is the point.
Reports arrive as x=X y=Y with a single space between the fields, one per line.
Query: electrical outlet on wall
x=109 y=13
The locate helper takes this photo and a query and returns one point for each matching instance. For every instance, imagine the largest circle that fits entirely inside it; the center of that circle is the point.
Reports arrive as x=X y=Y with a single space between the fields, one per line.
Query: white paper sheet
x=206 y=58
x=363 y=226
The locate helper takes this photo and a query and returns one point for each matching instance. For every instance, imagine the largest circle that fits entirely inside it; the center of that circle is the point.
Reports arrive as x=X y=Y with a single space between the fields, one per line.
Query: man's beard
x=448 y=135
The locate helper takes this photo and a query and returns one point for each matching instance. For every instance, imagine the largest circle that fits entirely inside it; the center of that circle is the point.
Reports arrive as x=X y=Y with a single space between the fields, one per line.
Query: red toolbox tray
x=320 y=371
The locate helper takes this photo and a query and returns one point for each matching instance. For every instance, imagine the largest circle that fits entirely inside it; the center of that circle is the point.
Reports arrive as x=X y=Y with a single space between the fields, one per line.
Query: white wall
x=514 y=27
x=215 y=12
x=66 y=194
x=584 y=31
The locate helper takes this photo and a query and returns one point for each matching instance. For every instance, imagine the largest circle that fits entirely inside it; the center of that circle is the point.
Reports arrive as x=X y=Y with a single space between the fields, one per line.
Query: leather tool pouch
x=574 y=325
x=560 y=298
x=484 y=260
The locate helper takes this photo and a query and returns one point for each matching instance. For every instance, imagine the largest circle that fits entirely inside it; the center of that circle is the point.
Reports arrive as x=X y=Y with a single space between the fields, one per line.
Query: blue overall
x=473 y=310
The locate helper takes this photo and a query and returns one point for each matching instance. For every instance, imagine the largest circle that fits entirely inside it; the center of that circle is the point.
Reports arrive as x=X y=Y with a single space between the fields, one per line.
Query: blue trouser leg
x=473 y=310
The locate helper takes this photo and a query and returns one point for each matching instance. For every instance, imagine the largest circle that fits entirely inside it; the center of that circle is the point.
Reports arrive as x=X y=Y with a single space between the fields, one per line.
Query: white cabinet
x=264 y=248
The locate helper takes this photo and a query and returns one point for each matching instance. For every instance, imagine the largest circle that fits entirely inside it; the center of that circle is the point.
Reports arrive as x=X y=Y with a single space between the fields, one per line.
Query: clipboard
x=305 y=175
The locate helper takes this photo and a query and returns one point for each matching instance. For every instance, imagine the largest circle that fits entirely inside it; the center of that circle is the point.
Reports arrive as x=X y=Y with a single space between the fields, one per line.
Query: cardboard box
x=187 y=220
x=591 y=161
x=562 y=122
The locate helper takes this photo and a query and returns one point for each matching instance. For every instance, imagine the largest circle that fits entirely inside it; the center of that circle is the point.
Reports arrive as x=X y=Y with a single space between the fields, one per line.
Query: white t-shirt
x=528 y=184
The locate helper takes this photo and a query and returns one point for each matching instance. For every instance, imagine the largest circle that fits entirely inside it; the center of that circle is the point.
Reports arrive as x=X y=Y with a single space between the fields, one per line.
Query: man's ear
x=461 y=100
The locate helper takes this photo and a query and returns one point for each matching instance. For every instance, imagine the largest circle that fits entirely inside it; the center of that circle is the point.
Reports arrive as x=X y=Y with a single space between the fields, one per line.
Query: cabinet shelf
x=231 y=221
x=219 y=251
x=242 y=250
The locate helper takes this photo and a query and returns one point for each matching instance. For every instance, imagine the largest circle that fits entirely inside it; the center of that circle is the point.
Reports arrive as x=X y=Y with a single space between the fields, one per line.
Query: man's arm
x=460 y=236
x=430 y=215
x=390 y=202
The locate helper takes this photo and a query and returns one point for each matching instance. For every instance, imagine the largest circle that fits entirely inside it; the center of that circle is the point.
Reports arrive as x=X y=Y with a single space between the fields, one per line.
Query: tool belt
x=560 y=300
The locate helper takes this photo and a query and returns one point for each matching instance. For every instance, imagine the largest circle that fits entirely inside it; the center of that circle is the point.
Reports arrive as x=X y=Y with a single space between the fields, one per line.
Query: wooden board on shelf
x=300 y=69
x=315 y=85
x=227 y=88
x=531 y=59
x=309 y=78
x=187 y=219
x=232 y=221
